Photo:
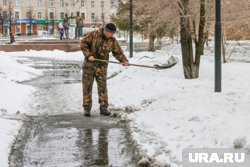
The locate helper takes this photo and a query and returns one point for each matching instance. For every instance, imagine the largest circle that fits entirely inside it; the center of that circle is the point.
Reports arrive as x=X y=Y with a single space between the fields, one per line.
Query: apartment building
x=30 y=16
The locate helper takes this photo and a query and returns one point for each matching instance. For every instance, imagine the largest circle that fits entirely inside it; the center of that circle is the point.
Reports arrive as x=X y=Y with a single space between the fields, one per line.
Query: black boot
x=104 y=112
x=87 y=113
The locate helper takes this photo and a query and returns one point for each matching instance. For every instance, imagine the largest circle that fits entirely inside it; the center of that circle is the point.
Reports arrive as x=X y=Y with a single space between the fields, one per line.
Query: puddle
x=72 y=140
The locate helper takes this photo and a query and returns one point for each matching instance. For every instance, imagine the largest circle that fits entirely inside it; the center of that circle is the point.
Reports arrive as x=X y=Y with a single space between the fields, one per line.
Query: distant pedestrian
x=97 y=45
x=61 y=33
x=61 y=30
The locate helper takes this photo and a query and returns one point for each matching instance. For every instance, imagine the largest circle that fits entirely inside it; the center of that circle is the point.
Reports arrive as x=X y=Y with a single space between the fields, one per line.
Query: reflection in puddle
x=79 y=147
x=105 y=147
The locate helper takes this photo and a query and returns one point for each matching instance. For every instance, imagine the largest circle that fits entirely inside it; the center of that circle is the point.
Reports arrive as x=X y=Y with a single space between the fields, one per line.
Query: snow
x=171 y=113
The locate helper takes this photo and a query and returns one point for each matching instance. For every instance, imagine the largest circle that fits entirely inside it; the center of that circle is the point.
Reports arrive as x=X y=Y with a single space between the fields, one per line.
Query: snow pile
x=14 y=71
x=176 y=113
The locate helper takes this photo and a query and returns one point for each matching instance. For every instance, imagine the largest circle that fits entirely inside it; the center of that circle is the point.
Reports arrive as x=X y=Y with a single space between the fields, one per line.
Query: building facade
x=31 y=16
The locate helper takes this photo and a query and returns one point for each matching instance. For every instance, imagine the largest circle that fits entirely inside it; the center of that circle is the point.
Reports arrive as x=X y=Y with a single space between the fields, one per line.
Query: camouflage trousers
x=94 y=71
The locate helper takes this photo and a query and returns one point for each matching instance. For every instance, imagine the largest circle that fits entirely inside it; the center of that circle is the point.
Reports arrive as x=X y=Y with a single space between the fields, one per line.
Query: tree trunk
x=30 y=26
x=201 y=41
x=187 y=49
x=191 y=67
x=186 y=41
x=10 y=31
x=151 y=45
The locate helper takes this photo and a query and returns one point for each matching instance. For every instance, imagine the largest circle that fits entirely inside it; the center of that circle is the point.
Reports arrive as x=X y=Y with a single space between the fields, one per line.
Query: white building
x=38 y=14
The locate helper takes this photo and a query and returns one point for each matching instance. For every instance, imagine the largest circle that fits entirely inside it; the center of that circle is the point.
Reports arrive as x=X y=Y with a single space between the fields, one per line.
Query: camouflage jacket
x=95 y=44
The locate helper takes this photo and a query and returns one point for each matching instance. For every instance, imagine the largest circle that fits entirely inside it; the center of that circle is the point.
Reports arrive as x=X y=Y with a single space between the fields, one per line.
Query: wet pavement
x=56 y=133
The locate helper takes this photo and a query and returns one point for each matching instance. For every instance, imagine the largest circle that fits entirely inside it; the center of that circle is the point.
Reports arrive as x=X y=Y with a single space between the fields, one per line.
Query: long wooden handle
x=115 y=62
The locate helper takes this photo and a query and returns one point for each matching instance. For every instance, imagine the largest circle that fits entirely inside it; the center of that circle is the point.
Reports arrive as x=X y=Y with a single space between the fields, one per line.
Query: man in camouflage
x=97 y=45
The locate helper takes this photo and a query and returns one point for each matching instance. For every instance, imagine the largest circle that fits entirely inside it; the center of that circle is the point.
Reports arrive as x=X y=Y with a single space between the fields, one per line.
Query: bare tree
x=155 y=19
x=10 y=15
x=30 y=16
x=191 y=32
x=1 y=19
x=146 y=17
x=160 y=17
x=195 y=21
x=47 y=20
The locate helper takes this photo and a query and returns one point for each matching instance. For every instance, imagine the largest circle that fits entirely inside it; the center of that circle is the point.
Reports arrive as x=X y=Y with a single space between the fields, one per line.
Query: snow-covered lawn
x=172 y=113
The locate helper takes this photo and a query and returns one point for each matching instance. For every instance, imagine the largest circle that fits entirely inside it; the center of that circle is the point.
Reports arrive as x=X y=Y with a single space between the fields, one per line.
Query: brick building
x=31 y=16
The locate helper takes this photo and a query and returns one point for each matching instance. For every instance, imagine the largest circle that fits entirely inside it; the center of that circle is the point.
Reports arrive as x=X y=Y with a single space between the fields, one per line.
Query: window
x=27 y=2
x=51 y=3
x=92 y=16
x=62 y=15
x=28 y=14
x=72 y=3
x=51 y=15
x=4 y=2
x=16 y=15
x=72 y=14
x=82 y=3
x=62 y=3
x=102 y=4
x=39 y=16
x=39 y=3
x=17 y=2
x=92 y=4
x=83 y=15
x=5 y=15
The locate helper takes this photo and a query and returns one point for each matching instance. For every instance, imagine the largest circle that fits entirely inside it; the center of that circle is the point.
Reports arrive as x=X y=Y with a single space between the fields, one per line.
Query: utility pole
x=131 y=30
x=218 y=46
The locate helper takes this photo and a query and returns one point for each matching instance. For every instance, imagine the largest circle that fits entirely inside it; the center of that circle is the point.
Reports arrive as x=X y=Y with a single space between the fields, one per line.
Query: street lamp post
x=218 y=46
x=103 y=17
x=131 y=30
